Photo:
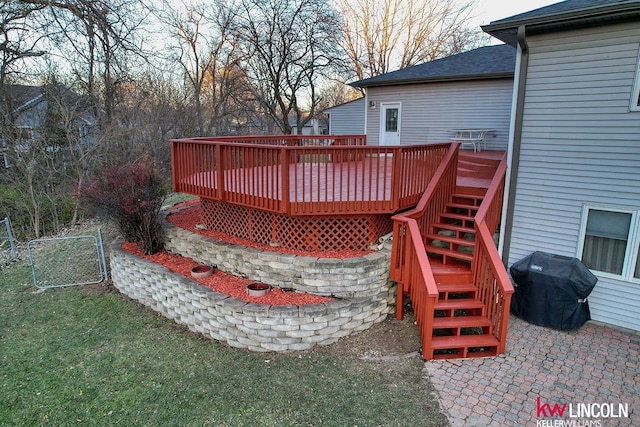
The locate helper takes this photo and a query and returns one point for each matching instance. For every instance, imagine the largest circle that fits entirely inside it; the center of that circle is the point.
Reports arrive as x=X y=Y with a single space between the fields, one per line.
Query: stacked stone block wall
x=260 y=327
x=366 y=276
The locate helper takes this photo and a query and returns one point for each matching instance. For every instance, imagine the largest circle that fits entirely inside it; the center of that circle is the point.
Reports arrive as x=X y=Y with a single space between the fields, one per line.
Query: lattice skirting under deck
x=307 y=233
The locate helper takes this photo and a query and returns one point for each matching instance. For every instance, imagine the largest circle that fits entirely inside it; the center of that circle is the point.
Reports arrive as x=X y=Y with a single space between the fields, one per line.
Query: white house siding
x=347 y=119
x=580 y=145
x=429 y=111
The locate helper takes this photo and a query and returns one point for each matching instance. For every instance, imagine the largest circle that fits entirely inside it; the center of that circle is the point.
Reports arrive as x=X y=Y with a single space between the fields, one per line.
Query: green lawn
x=90 y=356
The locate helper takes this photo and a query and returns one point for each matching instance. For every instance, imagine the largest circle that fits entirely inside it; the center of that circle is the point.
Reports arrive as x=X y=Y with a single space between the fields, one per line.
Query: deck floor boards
x=323 y=182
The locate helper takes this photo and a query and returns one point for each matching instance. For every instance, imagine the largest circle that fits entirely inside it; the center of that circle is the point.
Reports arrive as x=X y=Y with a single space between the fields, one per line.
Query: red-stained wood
x=471 y=291
x=333 y=175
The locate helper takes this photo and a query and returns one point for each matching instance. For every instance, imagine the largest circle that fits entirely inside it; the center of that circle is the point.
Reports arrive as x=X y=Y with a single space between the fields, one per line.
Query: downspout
x=514 y=147
x=366 y=110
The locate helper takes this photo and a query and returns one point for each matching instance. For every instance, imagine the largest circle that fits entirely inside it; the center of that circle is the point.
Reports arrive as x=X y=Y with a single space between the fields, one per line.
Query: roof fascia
x=442 y=79
x=506 y=30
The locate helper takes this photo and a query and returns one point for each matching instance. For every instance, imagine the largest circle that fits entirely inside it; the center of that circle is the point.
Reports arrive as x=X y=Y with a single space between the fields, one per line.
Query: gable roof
x=489 y=62
x=344 y=104
x=22 y=97
x=564 y=15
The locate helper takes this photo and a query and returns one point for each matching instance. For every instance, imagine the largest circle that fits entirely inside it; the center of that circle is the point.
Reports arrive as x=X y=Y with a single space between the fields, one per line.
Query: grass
x=90 y=356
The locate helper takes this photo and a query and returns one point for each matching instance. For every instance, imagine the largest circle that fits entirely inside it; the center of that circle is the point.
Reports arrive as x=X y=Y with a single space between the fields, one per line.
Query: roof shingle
x=482 y=63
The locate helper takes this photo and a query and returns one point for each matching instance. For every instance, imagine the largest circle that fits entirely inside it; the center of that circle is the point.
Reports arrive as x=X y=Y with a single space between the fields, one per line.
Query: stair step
x=456 y=216
x=466 y=189
x=462 y=206
x=453 y=227
x=456 y=288
x=464 y=341
x=449 y=253
x=460 y=322
x=458 y=304
x=450 y=239
x=469 y=196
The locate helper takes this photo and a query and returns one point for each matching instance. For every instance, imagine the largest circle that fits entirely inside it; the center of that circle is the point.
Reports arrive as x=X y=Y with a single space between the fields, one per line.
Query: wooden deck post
x=219 y=172
x=284 y=158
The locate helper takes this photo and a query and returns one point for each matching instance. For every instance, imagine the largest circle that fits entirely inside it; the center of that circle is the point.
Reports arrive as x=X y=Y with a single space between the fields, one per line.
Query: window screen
x=605 y=240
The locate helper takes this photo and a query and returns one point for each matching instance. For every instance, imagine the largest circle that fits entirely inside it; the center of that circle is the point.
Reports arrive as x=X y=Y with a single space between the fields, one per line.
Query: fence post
x=14 y=252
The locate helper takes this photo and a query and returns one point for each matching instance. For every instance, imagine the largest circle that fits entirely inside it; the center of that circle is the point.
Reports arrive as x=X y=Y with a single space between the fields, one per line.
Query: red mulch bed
x=225 y=283
x=187 y=214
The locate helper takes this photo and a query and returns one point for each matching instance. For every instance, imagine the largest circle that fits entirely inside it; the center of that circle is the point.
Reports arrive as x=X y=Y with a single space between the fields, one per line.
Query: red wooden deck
x=327 y=194
x=307 y=180
x=364 y=180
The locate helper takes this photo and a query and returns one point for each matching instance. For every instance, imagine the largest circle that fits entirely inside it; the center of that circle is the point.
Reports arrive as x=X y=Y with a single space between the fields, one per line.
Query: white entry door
x=390 y=124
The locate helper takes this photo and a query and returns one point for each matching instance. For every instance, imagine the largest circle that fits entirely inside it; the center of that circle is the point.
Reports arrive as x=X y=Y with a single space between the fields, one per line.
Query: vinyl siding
x=430 y=110
x=580 y=145
x=347 y=119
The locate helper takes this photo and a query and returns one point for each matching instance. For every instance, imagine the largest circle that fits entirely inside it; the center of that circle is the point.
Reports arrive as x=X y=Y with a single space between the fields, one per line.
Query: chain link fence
x=8 y=252
x=67 y=261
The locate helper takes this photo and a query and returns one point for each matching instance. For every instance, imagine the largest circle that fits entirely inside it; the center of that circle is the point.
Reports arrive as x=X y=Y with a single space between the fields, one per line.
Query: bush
x=132 y=195
x=56 y=210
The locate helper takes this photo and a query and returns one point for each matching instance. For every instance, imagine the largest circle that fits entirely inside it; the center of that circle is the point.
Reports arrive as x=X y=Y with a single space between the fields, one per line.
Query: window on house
x=391 y=120
x=635 y=96
x=636 y=272
x=611 y=242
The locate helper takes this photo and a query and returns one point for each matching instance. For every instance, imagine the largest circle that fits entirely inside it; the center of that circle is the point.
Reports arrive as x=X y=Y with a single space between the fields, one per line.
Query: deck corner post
x=397 y=173
x=286 y=205
x=220 y=172
x=174 y=158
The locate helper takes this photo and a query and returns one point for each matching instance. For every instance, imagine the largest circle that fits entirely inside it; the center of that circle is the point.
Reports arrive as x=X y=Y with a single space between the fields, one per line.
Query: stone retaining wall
x=258 y=327
x=366 y=276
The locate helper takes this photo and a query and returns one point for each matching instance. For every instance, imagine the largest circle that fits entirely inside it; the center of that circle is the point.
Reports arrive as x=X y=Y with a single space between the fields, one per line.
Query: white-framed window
x=610 y=242
x=635 y=95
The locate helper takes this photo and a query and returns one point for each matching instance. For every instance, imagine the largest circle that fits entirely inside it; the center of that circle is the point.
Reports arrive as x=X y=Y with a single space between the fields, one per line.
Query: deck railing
x=302 y=175
x=425 y=213
x=489 y=274
x=410 y=266
x=290 y=140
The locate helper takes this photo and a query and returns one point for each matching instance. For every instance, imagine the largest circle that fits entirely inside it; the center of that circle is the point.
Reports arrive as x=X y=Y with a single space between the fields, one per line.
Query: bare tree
x=97 y=38
x=207 y=52
x=16 y=42
x=289 y=46
x=337 y=93
x=383 y=35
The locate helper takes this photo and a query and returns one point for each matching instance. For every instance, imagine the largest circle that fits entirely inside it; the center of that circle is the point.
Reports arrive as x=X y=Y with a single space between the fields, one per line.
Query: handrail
x=287 y=140
x=303 y=175
x=410 y=266
x=435 y=195
x=489 y=274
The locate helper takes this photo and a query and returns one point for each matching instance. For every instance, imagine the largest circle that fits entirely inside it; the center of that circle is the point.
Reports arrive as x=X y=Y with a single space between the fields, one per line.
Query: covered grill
x=552 y=290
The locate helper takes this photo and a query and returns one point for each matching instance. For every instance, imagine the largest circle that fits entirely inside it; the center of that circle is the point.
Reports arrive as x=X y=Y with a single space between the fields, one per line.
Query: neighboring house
x=30 y=105
x=575 y=158
x=312 y=127
x=347 y=118
x=423 y=103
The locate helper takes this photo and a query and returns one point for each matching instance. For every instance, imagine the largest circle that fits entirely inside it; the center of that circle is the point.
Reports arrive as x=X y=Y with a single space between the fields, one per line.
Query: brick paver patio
x=542 y=366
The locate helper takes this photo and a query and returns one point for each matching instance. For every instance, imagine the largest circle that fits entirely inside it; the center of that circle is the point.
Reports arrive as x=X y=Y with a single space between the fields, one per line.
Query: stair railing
x=489 y=273
x=410 y=266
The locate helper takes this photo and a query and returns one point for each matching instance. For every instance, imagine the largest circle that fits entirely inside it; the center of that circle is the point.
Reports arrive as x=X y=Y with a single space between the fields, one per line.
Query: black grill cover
x=552 y=290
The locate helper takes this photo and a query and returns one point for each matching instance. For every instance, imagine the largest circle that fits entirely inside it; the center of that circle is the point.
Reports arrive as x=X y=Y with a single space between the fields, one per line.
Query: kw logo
x=547 y=410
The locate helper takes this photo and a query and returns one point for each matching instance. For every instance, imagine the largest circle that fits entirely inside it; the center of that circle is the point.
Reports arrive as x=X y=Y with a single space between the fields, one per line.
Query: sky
x=492 y=10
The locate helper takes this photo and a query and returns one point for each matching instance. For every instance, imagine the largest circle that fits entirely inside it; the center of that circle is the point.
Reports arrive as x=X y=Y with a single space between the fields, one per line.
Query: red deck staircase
x=446 y=259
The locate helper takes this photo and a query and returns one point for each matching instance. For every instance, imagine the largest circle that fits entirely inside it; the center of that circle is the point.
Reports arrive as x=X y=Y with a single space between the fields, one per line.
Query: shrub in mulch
x=224 y=283
x=132 y=195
